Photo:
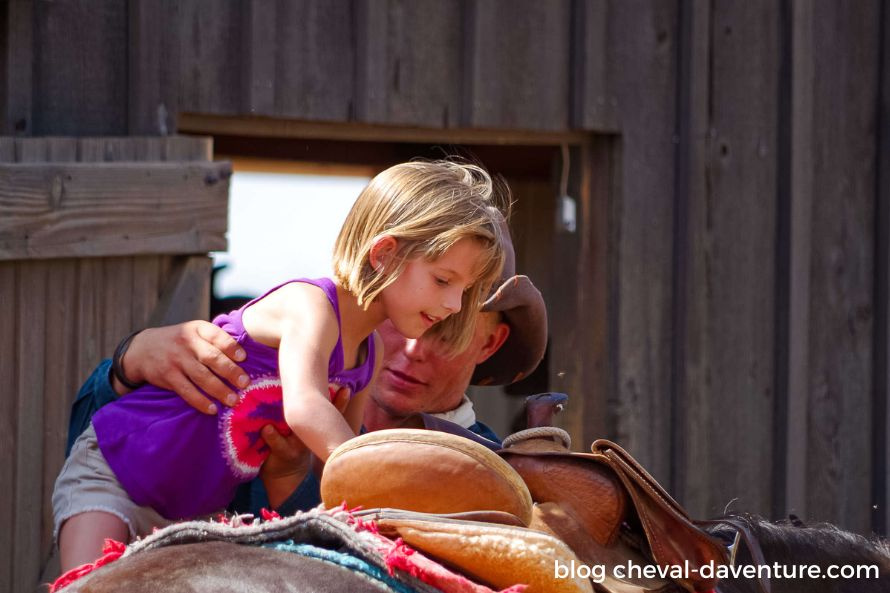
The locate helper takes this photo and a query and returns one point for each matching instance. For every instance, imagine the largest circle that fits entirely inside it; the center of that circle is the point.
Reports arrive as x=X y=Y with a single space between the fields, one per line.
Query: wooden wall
x=728 y=289
x=93 y=244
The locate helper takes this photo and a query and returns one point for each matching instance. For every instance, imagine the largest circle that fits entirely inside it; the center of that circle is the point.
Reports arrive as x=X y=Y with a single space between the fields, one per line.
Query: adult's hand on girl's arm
x=185 y=358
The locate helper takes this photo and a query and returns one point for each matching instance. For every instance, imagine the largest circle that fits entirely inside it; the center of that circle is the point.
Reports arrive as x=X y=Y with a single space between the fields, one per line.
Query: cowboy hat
x=522 y=307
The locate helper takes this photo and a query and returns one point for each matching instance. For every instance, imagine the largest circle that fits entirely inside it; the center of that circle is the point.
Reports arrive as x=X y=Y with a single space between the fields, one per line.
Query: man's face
x=418 y=376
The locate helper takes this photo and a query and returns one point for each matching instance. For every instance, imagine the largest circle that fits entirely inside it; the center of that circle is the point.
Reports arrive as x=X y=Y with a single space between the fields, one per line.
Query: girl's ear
x=382 y=251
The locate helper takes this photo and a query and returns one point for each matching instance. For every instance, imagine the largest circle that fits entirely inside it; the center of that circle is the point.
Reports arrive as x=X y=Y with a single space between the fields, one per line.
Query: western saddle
x=531 y=512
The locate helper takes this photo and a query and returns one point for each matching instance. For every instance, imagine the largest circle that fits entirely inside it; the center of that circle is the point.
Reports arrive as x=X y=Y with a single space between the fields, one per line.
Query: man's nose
x=414 y=349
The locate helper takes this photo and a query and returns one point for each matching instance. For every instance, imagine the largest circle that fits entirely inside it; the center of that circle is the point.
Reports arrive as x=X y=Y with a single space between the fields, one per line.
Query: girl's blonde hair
x=427 y=206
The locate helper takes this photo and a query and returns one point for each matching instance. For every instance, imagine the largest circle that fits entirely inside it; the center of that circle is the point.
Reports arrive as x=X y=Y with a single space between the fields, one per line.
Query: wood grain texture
x=881 y=374
x=117 y=287
x=81 y=209
x=151 y=98
x=78 y=90
x=60 y=384
x=408 y=62
x=207 y=41
x=731 y=247
x=594 y=102
x=643 y=40
x=145 y=289
x=8 y=418
x=187 y=148
x=185 y=294
x=17 y=55
x=260 y=45
x=7 y=149
x=516 y=66
x=29 y=449
x=315 y=63
x=846 y=45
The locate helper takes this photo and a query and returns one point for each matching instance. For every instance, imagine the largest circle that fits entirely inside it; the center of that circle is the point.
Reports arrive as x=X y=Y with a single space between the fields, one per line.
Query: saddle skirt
x=620 y=512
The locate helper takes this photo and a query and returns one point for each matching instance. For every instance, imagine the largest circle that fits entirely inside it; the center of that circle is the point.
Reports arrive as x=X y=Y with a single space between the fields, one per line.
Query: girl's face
x=427 y=292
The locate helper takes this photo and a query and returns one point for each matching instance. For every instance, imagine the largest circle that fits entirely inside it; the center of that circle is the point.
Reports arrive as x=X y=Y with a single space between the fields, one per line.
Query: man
x=417 y=376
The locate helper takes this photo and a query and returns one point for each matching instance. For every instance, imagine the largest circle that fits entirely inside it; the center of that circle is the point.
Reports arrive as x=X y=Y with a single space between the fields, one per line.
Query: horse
x=225 y=567
x=341 y=551
x=791 y=544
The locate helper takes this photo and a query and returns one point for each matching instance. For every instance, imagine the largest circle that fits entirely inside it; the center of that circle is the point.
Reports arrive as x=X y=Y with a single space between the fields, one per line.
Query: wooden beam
x=88 y=209
x=193 y=123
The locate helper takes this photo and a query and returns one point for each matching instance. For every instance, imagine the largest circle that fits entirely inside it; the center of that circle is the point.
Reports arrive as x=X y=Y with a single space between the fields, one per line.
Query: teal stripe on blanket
x=345 y=560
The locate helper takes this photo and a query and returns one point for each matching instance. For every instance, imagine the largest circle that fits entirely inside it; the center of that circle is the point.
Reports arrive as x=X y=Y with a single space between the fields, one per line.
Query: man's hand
x=184 y=358
x=289 y=459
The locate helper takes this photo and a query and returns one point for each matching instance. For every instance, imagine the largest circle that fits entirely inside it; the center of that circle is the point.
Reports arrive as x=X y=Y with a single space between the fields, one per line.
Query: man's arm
x=185 y=358
x=94 y=393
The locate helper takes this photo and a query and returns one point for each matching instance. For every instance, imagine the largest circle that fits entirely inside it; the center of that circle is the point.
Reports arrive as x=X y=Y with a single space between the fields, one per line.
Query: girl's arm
x=354 y=413
x=309 y=332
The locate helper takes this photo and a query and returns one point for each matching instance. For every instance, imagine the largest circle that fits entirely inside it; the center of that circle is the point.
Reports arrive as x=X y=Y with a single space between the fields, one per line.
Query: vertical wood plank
x=8 y=418
x=643 y=39
x=118 y=149
x=7 y=149
x=209 y=48
x=842 y=263
x=78 y=90
x=517 y=74
x=795 y=487
x=90 y=150
x=260 y=55
x=188 y=148
x=148 y=90
x=17 y=54
x=185 y=292
x=594 y=104
x=117 y=286
x=30 y=150
x=62 y=342
x=314 y=75
x=409 y=62
x=730 y=317
x=28 y=509
x=148 y=148
x=881 y=423
x=26 y=524
x=145 y=291
x=61 y=150
x=89 y=314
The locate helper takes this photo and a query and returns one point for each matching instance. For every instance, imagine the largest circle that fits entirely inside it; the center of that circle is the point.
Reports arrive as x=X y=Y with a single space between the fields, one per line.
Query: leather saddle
x=610 y=510
x=597 y=509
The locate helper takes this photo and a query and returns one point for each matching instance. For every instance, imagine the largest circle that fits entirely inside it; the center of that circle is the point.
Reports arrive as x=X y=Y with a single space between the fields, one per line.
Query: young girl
x=421 y=247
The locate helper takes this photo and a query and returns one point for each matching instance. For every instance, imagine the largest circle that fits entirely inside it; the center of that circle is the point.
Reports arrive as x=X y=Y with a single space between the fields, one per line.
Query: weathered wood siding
x=723 y=311
x=63 y=307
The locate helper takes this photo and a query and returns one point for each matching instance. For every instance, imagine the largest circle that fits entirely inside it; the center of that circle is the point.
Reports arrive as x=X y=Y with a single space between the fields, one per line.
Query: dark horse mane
x=792 y=542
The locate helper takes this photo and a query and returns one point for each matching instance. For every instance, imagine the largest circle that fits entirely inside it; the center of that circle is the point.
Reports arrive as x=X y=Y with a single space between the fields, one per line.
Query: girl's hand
x=185 y=358
x=289 y=460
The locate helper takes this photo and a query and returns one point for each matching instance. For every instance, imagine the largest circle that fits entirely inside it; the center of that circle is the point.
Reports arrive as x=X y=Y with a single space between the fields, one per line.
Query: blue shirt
x=97 y=391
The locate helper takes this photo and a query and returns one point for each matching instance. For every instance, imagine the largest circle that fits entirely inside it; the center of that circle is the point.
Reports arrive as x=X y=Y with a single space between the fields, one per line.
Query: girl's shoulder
x=297 y=298
x=292 y=305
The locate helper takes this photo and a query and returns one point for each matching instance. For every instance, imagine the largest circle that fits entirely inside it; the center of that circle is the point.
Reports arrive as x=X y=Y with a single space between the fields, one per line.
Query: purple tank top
x=185 y=464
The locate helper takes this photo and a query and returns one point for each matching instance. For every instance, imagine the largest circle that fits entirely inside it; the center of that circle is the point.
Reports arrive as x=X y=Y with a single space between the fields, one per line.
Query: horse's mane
x=792 y=542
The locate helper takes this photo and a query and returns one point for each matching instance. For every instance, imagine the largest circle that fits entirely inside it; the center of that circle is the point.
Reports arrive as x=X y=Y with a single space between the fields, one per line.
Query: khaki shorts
x=86 y=483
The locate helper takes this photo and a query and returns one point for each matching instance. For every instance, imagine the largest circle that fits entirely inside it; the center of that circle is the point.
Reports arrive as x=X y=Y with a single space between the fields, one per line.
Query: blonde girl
x=420 y=247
